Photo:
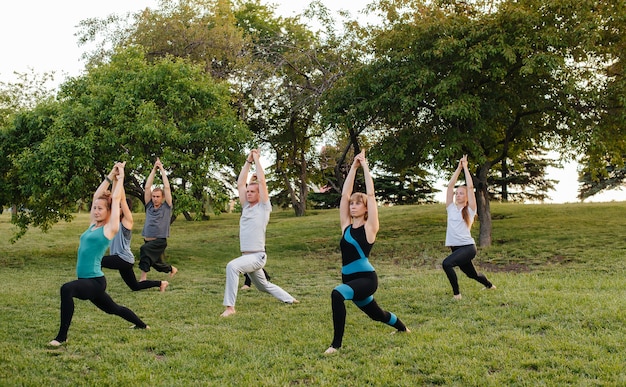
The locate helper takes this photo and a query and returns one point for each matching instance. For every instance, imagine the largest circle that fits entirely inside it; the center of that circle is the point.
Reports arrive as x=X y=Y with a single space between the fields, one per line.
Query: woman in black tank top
x=359 y=224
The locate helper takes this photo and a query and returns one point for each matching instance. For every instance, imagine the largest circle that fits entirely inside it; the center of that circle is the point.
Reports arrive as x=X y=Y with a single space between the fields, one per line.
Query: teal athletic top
x=93 y=244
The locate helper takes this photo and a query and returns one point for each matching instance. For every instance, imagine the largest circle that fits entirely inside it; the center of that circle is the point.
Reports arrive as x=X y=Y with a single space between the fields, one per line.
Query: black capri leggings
x=127 y=273
x=462 y=257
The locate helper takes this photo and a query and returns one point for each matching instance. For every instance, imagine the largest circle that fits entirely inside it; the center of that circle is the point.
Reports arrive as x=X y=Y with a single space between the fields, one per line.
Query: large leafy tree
x=199 y=30
x=28 y=90
x=488 y=79
x=278 y=69
x=284 y=110
x=134 y=111
x=604 y=143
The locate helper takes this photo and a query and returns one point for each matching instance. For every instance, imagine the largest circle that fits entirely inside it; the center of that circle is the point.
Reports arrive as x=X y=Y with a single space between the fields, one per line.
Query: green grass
x=557 y=317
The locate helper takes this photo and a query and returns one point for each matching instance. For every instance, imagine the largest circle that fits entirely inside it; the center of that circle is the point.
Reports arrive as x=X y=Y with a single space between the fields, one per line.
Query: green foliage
x=492 y=80
x=611 y=177
x=282 y=105
x=324 y=200
x=278 y=69
x=25 y=93
x=433 y=81
x=204 y=32
x=523 y=179
x=555 y=318
x=127 y=110
x=403 y=189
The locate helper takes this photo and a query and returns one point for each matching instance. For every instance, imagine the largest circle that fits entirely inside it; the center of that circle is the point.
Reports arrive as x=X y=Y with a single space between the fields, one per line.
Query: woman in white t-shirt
x=461 y=208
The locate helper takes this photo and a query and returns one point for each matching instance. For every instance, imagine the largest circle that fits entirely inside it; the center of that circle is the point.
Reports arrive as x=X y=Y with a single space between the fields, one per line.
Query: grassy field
x=557 y=317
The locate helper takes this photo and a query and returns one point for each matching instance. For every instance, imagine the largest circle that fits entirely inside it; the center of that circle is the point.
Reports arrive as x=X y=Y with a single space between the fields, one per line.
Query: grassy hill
x=556 y=317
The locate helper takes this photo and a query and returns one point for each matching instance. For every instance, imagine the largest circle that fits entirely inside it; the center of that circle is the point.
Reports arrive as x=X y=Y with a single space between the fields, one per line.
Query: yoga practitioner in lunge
x=358 y=213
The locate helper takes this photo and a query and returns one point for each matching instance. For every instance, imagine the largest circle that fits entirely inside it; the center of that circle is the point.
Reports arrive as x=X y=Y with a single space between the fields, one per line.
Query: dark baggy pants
x=152 y=254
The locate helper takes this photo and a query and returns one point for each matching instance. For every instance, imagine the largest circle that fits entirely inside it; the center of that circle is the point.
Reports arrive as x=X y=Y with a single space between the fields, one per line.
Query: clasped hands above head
x=118 y=170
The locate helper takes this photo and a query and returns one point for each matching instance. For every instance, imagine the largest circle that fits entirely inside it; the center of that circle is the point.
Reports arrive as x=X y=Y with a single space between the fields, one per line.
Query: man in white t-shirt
x=255 y=215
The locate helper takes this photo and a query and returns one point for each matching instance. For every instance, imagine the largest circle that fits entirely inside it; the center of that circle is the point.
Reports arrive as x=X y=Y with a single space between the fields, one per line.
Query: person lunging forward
x=91 y=283
x=255 y=215
x=461 y=209
x=121 y=257
x=358 y=214
x=156 y=228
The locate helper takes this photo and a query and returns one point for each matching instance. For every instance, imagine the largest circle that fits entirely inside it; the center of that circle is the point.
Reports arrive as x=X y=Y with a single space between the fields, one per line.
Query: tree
x=284 y=102
x=48 y=168
x=278 y=70
x=409 y=188
x=592 y=183
x=25 y=93
x=487 y=79
x=522 y=179
x=603 y=145
x=134 y=111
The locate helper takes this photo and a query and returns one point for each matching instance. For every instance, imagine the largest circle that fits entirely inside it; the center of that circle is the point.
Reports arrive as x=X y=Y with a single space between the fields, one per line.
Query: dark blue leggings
x=359 y=288
x=92 y=289
x=462 y=257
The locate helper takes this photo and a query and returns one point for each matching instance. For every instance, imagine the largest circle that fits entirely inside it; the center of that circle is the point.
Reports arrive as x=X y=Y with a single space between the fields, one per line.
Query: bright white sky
x=38 y=35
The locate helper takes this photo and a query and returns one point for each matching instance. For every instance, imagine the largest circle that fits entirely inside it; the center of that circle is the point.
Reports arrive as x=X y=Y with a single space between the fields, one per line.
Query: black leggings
x=127 y=273
x=462 y=257
x=359 y=288
x=92 y=289
x=247 y=281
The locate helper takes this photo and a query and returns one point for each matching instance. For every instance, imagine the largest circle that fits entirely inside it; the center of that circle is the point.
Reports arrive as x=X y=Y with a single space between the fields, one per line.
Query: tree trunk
x=505 y=184
x=483 y=207
x=303 y=189
x=297 y=202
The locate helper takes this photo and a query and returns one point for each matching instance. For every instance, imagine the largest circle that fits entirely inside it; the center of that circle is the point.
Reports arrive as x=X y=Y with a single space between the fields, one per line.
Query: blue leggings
x=462 y=257
x=360 y=288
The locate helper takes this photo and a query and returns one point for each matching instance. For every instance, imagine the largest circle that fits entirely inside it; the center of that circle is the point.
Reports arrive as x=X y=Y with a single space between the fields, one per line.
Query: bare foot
x=330 y=350
x=55 y=343
x=143 y=277
x=294 y=301
x=457 y=297
x=173 y=272
x=230 y=310
x=245 y=287
x=163 y=286
x=399 y=331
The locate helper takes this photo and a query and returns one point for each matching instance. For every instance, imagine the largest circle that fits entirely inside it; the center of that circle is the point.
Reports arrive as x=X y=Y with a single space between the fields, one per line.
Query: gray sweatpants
x=253 y=265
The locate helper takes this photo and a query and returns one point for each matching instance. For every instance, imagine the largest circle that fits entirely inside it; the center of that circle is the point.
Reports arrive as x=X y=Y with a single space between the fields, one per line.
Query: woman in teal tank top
x=91 y=283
